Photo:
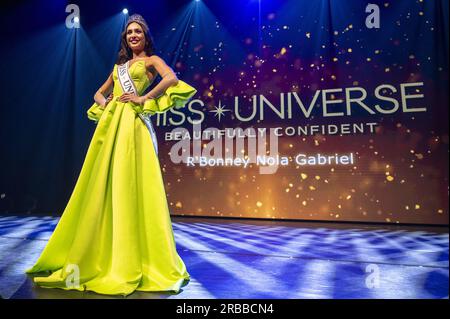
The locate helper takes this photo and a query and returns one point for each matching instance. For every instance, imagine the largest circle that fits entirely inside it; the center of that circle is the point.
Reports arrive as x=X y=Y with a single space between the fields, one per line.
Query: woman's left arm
x=168 y=79
x=168 y=76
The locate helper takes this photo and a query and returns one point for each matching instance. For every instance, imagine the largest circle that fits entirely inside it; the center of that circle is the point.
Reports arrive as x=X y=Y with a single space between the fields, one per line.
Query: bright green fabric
x=116 y=227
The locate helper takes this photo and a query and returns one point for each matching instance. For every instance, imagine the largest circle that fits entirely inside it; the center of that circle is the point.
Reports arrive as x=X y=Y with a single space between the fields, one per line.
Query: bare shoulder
x=154 y=60
x=157 y=65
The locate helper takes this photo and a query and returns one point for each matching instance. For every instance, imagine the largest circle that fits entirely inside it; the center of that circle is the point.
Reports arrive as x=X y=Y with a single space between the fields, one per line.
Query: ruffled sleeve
x=175 y=96
x=95 y=112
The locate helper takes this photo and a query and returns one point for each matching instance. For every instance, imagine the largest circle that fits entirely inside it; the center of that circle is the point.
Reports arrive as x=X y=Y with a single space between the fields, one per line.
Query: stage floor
x=265 y=259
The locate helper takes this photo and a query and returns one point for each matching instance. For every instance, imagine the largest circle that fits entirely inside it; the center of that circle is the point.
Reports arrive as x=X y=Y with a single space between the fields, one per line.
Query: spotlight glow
x=76 y=19
x=125 y=11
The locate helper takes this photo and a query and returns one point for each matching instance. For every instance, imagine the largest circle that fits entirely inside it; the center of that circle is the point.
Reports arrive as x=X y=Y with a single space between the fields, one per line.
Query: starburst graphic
x=220 y=110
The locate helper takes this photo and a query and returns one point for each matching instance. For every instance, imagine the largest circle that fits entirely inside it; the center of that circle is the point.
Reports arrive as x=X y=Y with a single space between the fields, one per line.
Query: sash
x=127 y=85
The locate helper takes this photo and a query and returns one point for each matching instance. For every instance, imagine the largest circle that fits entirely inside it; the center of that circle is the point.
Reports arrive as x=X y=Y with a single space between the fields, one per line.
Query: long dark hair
x=125 y=53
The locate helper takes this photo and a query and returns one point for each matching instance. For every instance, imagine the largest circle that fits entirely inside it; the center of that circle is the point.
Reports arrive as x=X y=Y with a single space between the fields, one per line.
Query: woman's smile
x=134 y=41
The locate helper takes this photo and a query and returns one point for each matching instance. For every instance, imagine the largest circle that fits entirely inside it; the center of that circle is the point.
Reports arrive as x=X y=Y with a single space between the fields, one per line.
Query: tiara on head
x=137 y=18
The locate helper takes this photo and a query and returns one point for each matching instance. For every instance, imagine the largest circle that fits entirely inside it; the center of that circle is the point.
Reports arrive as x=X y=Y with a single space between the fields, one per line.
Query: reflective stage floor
x=265 y=259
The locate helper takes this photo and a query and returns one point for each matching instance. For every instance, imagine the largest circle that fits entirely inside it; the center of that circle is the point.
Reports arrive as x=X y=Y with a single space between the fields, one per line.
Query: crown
x=137 y=18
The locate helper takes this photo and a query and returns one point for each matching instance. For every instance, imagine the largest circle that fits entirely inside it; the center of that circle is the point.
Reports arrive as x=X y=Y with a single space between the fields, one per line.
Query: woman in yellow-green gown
x=115 y=235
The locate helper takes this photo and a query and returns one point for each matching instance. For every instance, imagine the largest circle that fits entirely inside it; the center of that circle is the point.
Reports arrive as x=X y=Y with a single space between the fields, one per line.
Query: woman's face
x=135 y=37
